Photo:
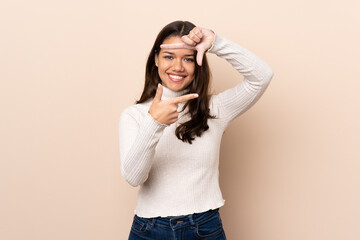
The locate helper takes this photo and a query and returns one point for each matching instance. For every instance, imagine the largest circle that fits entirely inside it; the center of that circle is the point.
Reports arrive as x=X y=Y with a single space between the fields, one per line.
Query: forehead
x=176 y=39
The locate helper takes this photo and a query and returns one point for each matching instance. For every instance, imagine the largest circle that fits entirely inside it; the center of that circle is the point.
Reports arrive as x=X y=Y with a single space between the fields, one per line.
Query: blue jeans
x=205 y=225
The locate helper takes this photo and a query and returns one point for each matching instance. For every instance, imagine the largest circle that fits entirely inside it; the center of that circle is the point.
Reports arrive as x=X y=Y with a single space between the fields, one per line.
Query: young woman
x=170 y=139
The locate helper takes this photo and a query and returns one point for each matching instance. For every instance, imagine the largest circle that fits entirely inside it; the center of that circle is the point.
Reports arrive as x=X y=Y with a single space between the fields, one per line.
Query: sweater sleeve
x=257 y=75
x=137 y=143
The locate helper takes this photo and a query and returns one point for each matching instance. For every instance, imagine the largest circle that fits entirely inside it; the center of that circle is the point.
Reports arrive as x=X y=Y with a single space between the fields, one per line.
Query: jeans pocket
x=209 y=227
x=139 y=226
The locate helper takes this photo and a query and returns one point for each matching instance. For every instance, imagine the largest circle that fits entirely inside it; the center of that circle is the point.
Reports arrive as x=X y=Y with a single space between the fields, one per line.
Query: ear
x=156 y=59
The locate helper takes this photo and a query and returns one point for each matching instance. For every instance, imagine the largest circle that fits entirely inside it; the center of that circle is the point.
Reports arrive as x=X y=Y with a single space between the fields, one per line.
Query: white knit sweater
x=178 y=178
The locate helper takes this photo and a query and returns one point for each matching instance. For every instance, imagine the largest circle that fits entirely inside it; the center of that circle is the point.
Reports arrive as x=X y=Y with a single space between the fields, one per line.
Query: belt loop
x=153 y=222
x=191 y=219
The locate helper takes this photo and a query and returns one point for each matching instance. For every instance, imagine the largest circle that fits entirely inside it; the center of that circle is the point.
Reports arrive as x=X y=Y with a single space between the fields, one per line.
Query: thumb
x=159 y=92
x=199 y=56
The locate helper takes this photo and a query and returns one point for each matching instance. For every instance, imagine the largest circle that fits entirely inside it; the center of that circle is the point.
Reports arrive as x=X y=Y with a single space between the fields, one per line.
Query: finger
x=175 y=115
x=194 y=37
x=176 y=46
x=184 y=98
x=172 y=120
x=199 y=56
x=188 y=41
x=158 y=94
x=197 y=32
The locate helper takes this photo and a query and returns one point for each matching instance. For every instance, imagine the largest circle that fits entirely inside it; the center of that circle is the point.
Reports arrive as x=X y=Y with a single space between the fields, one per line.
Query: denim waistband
x=179 y=221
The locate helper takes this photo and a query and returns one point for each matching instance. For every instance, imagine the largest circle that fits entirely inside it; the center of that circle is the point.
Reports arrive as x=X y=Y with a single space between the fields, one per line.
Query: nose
x=178 y=65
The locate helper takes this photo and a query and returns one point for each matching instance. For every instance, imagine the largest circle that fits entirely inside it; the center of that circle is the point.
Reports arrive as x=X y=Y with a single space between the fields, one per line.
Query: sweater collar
x=168 y=93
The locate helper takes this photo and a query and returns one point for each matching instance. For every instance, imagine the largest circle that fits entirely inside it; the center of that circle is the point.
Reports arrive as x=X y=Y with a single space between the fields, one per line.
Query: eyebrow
x=187 y=55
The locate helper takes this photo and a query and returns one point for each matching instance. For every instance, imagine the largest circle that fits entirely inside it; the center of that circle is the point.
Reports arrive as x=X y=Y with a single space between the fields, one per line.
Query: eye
x=189 y=60
x=168 y=57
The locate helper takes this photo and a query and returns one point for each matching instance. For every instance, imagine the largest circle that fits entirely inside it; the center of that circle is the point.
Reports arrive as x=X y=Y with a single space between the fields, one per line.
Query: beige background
x=289 y=167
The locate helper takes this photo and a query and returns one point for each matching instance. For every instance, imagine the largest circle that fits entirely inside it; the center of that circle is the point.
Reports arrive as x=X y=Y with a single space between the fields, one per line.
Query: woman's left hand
x=199 y=39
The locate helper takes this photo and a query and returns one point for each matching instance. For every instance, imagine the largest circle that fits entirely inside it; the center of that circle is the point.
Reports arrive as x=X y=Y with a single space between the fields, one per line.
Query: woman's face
x=176 y=67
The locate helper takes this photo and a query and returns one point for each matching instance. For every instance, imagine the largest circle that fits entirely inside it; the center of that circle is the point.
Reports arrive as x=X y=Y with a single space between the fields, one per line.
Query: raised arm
x=257 y=75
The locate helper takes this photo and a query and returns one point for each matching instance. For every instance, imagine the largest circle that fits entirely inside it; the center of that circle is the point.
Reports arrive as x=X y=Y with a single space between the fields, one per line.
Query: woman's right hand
x=165 y=111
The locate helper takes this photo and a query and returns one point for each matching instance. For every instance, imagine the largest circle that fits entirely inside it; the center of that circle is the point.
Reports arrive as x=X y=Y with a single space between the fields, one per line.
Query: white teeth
x=176 y=77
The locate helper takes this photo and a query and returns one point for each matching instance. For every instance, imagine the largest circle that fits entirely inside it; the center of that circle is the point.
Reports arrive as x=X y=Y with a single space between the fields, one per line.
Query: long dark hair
x=198 y=107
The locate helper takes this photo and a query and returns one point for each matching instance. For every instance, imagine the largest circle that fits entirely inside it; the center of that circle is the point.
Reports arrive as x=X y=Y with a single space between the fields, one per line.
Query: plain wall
x=289 y=167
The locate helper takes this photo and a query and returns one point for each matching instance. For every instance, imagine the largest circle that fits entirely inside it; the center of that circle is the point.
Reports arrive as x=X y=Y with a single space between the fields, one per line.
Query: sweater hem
x=180 y=213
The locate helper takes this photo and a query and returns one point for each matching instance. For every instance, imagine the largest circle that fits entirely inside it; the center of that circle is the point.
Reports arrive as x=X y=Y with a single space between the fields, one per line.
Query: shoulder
x=136 y=111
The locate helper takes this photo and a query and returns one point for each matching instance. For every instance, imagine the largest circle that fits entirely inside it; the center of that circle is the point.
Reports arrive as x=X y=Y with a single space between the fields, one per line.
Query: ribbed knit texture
x=178 y=178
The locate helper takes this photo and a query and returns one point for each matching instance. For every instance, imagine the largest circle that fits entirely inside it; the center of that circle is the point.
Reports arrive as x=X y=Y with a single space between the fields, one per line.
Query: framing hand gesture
x=199 y=39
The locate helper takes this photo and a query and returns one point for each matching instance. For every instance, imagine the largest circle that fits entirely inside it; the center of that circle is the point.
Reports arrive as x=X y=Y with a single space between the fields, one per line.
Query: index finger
x=177 y=46
x=184 y=98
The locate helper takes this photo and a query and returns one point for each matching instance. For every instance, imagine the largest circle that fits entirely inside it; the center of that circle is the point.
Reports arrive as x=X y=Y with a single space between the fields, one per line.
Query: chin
x=176 y=89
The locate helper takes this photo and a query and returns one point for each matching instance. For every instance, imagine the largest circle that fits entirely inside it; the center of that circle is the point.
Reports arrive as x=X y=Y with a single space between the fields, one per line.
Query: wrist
x=212 y=38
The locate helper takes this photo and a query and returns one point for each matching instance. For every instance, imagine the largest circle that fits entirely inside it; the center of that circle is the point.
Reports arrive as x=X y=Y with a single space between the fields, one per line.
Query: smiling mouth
x=176 y=78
